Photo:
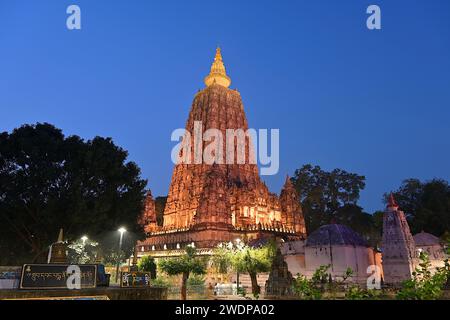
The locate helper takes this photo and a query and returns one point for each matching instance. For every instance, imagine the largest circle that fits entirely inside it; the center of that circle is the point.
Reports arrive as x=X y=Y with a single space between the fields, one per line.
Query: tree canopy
x=187 y=264
x=426 y=204
x=245 y=259
x=148 y=264
x=330 y=197
x=49 y=181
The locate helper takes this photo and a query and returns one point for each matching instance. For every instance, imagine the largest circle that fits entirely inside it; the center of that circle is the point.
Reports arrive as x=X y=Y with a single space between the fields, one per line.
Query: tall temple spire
x=212 y=204
x=61 y=236
x=398 y=247
x=288 y=182
x=218 y=74
x=391 y=202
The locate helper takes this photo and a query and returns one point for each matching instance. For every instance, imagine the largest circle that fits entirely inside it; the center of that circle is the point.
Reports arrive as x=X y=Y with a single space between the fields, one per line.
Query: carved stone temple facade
x=210 y=204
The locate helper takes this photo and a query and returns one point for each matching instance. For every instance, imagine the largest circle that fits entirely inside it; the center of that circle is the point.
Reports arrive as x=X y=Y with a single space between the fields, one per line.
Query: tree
x=245 y=259
x=323 y=194
x=426 y=204
x=147 y=264
x=185 y=265
x=49 y=181
x=363 y=223
x=83 y=252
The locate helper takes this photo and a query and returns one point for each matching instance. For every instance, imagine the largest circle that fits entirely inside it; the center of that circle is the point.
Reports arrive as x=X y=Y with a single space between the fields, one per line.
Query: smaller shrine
x=58 y=251
x=398 y=246
x=280 y=279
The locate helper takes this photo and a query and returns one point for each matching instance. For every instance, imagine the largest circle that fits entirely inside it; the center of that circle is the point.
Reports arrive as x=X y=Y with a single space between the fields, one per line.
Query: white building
x=341 y=248
x=335 y=245
x=431 y=245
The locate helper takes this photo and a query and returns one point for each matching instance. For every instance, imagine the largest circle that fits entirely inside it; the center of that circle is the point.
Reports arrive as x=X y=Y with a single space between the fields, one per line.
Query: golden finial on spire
x=218 y=74
x=218 y=56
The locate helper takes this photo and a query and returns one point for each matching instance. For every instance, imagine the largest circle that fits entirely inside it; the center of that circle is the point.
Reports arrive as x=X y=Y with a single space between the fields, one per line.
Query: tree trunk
x=40 y=255
x=256 y=290
x=184 y=285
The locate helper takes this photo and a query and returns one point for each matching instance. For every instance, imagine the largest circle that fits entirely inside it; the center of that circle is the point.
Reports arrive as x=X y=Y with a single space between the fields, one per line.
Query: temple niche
x=209 y=204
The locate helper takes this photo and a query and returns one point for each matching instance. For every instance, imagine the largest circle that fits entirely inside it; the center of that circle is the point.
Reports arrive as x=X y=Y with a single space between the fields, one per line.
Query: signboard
x=55 y=276
x=135 y=279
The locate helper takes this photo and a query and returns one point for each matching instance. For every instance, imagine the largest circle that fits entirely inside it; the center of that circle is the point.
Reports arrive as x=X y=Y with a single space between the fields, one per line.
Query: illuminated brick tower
x=208 y=204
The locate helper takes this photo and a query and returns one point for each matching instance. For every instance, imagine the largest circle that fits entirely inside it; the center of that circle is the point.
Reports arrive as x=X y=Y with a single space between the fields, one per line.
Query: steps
x=246 y=282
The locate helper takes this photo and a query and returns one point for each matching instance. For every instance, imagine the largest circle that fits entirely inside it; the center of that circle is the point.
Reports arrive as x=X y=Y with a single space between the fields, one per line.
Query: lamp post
x=238 y=241
x=122 y=232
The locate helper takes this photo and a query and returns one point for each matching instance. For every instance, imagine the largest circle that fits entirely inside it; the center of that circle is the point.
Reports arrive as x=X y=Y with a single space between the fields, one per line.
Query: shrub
x=320 y=283
x=196 y=281
x=147 y=264
x=186 y=265
x=306 y=289
x=160 y=282
x=357 y=293
x=424 y=285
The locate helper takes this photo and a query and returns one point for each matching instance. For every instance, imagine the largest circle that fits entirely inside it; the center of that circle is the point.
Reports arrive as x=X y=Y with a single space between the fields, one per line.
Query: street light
x=238 y=241
x=84 y=239
x=122 y=232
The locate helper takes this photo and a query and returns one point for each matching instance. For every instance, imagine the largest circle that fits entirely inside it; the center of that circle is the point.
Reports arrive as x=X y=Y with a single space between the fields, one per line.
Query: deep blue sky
x=372 y=102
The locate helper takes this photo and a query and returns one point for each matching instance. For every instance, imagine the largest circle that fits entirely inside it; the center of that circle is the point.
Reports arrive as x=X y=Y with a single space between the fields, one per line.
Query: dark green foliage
x=425 y=285
x=245 y=259
x=49 y=181
x=427 y=205
x=148 y=264
x=357 y=293
x=185 y=265
x=328 y=197
x=320 y=284
x=80 y=252
x=305 y=289
x=188 y=263
x=363 y=223
x=327 y=191
x=160 y=282
x=196 y=281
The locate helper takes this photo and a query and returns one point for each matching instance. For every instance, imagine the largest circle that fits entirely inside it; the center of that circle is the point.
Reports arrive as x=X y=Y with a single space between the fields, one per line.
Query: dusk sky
x=376 y=103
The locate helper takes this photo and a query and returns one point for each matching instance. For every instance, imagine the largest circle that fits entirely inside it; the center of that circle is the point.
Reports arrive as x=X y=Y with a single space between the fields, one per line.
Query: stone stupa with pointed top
x=58 y=250
x=210 y=204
